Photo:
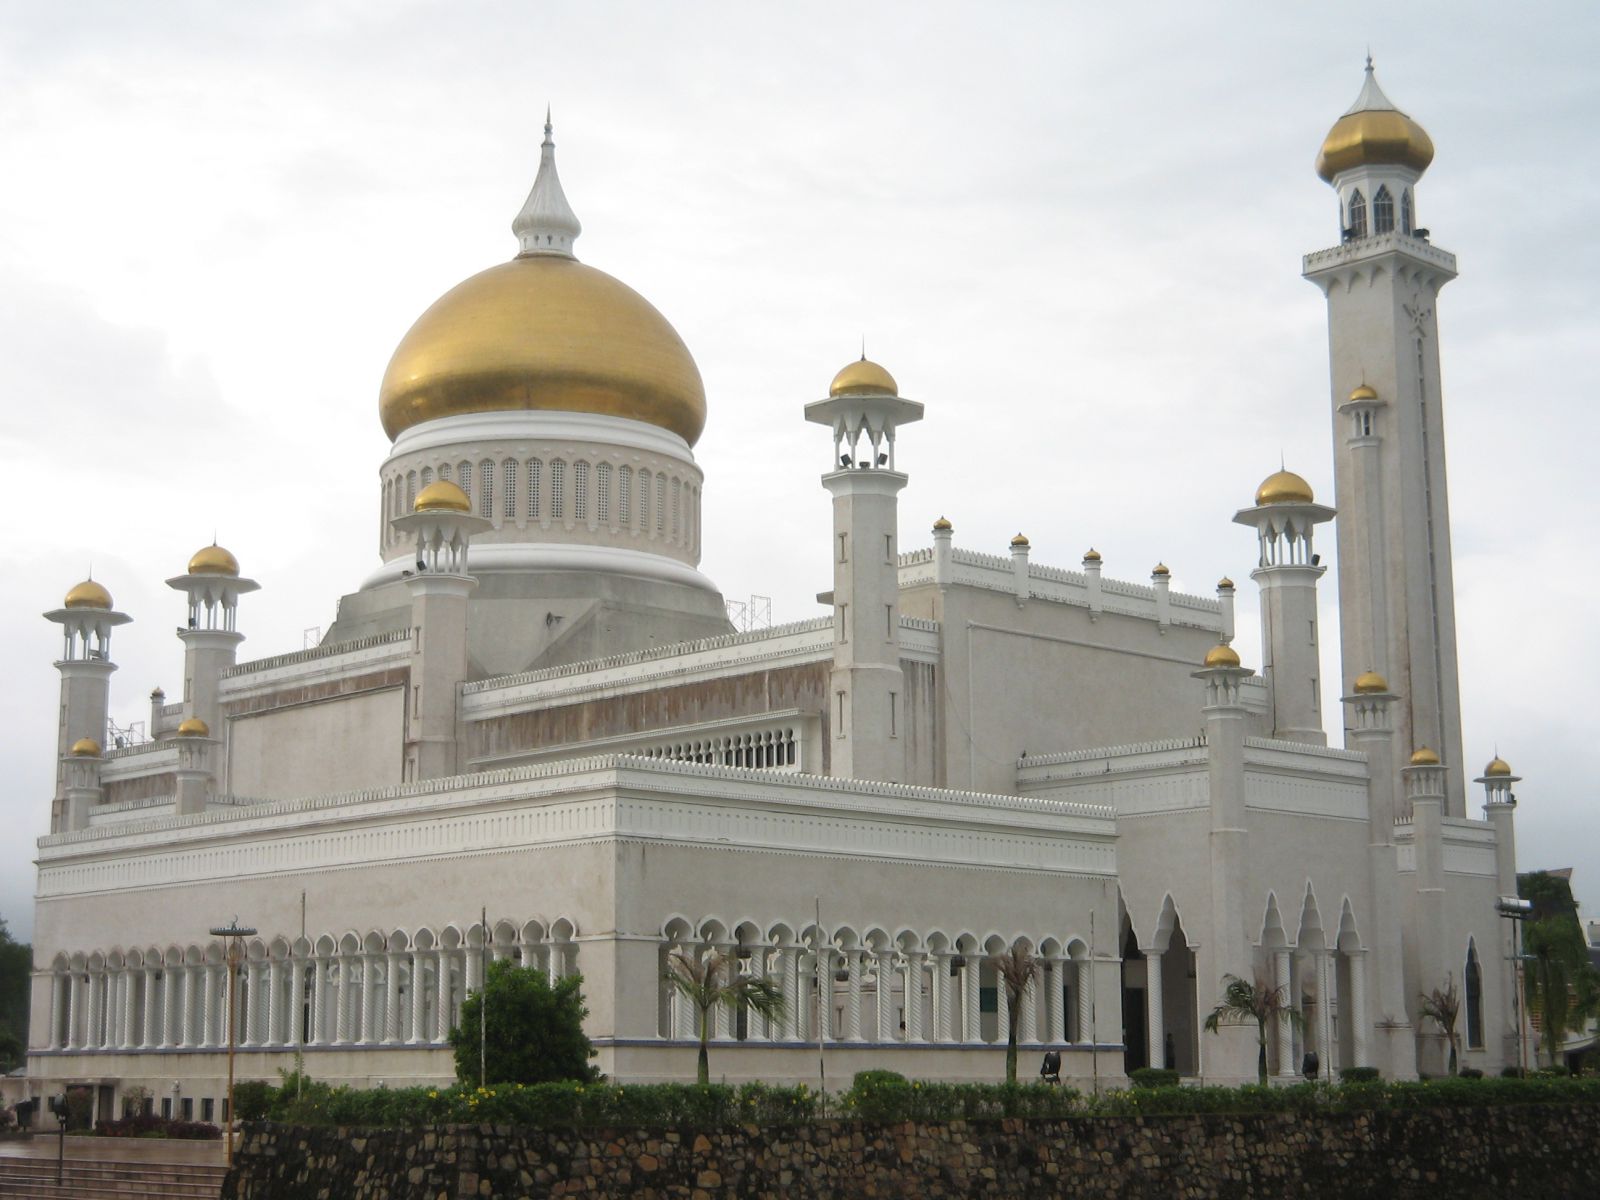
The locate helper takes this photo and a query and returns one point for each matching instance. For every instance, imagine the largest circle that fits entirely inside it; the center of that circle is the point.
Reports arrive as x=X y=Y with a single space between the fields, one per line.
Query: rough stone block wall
x=1540 y=1151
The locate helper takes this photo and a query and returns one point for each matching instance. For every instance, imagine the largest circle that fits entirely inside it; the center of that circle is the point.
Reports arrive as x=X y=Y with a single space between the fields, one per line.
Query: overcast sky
x=1073 y=231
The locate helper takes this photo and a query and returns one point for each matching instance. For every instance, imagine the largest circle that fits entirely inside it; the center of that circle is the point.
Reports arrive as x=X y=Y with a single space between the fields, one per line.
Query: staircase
x=35 y=1179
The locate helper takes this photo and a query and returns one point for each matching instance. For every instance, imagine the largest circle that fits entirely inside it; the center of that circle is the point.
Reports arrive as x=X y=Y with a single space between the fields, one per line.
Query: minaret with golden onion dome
x=1285 y=516
x=212 y=585
x=564 y=407
x=87 y=616
x=864 y=412
x=1382 y=281
x=441 y=526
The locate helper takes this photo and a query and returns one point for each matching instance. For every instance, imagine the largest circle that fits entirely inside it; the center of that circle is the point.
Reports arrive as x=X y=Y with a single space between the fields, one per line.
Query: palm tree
x=712 y=979
x=1016 y=968
x=1245 y=1001
x=1442 y=1006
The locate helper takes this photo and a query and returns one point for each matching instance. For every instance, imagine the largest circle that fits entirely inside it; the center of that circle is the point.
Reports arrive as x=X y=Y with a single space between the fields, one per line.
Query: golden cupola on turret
x=544 y=332
x=1373 y=132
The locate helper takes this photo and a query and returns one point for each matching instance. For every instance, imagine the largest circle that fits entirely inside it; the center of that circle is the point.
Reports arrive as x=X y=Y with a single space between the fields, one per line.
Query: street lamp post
x=231 y=935
x=1517 y=910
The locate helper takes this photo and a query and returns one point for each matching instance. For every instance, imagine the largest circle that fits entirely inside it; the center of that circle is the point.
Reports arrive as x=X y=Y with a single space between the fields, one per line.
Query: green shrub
x=1153 y=1077
x=1362 y=1074
x=1471 y=1073
x=252 y=1099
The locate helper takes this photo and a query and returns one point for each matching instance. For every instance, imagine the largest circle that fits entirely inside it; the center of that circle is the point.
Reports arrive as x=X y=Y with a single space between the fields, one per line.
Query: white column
x=1285 y=1031
x=154 y=1009
x=369 y=997
x=208 y=1006
x=1028 y=1027
x=319 y=1001
x=91 y=1029
x=1359 y=1024
x=852 y=1001
x=1086 y=1031
x=720 y=1016
x=341 y=1001
x=912 y=990
x=441 y=1009
x=939 y=997
x=825 y=1031
x=1324 y=1016
x=274 y=1033
x=1155 y=1013
x=391 y=998
x=972 y=1032
x=294 y=1002
x=1002 y=1010
x=129 y=1034
x=888 y=1030
x=1058 y=1006
x=473 y=957
x=183 y=1031
x=250 y=1011
x=418 y=991
x=789 y=972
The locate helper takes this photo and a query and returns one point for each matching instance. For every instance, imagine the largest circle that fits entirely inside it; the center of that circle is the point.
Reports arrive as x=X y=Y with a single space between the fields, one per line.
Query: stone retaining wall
x=1509 y=1153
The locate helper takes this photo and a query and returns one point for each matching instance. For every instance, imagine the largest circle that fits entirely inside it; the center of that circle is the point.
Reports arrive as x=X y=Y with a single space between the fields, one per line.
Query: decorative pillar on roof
x=86 y=617
x=864 y=410
x=210 y=636
x=1424 y=781
x=1284 y=517
x=442 y=524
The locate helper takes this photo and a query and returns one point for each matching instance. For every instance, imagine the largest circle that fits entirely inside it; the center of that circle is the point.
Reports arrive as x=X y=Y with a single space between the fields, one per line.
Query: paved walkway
x=105 y=1149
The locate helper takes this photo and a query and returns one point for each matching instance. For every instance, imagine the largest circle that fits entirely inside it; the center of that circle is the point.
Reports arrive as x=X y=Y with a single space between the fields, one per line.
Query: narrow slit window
x=486 y=488
x=535 y=489
x=558 y=488
x=1383 y=211
x=1356 y=222
x=1405 y=212
x=625 y=497
x=510 y=500
x=602 y=493
x=580 y=491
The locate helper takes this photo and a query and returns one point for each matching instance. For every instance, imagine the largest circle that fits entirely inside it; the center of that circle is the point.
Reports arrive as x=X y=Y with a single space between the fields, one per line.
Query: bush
x=252 y=1099
x=1363 y=1074
x=1153 y=1077
x=533 y=1032
x=1471 y=1073
x=146 y=1125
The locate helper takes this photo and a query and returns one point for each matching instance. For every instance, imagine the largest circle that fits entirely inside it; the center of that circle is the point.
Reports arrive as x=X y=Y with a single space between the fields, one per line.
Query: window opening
x=510 y=501
x=1357 y=222
x=580 y=491
x=1383 y=211
x=535 y=489
x=625 y=497
x=558 y=484
x=486 y=490
x=602 y=493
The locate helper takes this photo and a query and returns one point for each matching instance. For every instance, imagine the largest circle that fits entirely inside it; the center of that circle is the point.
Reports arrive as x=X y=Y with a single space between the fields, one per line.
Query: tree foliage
x=713 y=979
x=16 y=966
x=1015 y=968
x=533 y=1031
x=1244 y=1001
x=1561 y=985
x=1442 y=1006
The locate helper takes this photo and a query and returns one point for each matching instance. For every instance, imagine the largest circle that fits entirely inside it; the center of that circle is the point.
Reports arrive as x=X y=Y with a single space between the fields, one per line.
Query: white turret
x=863 y=409
x=210 y=638
x=1284 y=516
x=1382 y=281
x=547 y=224
x=86 y=617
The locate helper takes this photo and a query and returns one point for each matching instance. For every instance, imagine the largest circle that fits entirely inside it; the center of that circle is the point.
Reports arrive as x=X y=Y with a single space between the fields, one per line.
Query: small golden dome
x=1385 y=137
x=1424 y=757
x=1161 y=569
x=1222 y=656
x=1019 y=542
x=1370 y=683
x=87 y=594
x=543 y=333
x=441 y=496
x=1498 y=768
x=85 y=748
x=863 y=378
x=1092 y=556
x=1224 y=582
x=213 y=560
x=1363 y=392
x=941 y=525
x=194 y=727
x=1284 y=487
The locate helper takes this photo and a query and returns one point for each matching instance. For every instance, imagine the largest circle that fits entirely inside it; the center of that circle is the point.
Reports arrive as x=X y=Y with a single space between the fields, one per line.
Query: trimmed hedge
x=152 y=1126
x=1149 y=1077
x=877 y=1096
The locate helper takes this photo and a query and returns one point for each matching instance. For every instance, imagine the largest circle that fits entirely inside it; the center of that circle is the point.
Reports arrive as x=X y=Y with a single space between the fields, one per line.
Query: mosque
x=532 y=733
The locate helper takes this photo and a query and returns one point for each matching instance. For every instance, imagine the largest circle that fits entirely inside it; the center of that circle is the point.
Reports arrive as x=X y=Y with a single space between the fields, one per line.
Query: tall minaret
x=442 y=524
x=1287 y=569
x=210 y=636
x=867 y=701
x=86 y=618
x=1396 y=590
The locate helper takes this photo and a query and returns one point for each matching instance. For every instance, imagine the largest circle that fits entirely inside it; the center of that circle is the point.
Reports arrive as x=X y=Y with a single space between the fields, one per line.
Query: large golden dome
x=213 y=560
x=546 y=333
x=1373 y=131
x=1284 y=487
x=87 y=594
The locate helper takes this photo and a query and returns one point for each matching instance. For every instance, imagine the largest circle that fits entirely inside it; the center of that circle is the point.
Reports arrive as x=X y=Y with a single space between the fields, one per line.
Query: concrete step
x=22 y=1178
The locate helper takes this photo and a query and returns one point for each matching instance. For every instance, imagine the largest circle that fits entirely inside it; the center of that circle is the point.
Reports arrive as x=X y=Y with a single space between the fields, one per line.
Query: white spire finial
x=546 y=224
x=1371 y=98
